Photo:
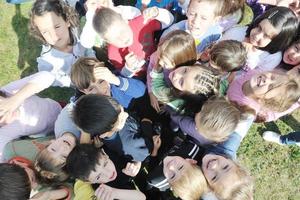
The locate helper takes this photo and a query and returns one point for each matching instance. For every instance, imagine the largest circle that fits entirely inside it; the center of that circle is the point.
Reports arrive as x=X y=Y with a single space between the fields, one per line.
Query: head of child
x=227 y=56
x=274 y=30
x=227 y=179
x=217 y=119
x=82 y=76
x=176 y=49
x=112 y=27
x=291 y=56
x=185 y=177
x=15 y=182
x=274 y=90
x=195 y=79
x=88 y=163
x=50 y=162
x=99 y=115
x=50 y=20
x=202 y=14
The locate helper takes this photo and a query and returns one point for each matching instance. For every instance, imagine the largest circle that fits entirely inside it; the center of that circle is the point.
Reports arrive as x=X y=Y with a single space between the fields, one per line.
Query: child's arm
x=105 y=192
x=153 y=100
x=163 y=15
x=24 y=88
x=51 y=194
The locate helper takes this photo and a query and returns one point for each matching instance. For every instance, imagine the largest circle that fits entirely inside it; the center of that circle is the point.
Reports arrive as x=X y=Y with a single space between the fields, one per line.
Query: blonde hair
x=242 y=189
x=290 y=94
x=82 y=72
x=217 y=119
x=191 y=185
x=178 y=47
x=61 y=9
x=49 y=170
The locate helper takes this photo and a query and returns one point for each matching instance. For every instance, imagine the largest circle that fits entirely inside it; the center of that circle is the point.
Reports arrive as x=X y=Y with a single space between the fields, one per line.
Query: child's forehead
x=48 y=19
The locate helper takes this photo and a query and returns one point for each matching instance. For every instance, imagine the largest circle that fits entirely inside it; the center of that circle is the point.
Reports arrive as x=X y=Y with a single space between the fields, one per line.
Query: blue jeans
x=291 y=138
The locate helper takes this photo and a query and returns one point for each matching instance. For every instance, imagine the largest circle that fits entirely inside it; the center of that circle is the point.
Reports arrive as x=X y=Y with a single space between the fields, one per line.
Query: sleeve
x=153 y=58
x=236 y=33
x=132 y=87
x=165 y=17
x=272 y=116
x=159 y=87
x=128 y=12
x=88 y=34
x=43 y=78
x=184 y=6
x=270 y=62
x=83 y=190
x=186 y=124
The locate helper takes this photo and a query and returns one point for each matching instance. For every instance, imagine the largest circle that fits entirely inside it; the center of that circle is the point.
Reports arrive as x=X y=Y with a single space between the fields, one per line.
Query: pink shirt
x=235 y=94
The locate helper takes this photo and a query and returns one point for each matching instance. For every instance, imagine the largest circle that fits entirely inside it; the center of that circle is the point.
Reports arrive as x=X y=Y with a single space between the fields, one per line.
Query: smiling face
x=174 y=167
x=60 y=148
x=291 y=56
x=105 y=171
x=267 y=84
x=200 y=17
x=54 y=29
x=263 y=34
x=218 y=170
x=119 y=34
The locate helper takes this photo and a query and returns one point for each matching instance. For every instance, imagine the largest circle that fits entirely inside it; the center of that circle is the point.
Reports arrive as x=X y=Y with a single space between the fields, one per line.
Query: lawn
x=276 y=169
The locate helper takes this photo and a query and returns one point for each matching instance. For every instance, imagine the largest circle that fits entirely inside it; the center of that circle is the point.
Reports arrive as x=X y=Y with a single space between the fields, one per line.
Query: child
x=270 y=94
x=55 y=24
x=94 y=166
x=176 y=49
x=214 y=123
x=291 y=56
x=130 y=42
x=89 y=37
x=104 y=117
x=187 y=81
x=266 y=37
x=202 y=22
x=18 y=118
x=289 y=139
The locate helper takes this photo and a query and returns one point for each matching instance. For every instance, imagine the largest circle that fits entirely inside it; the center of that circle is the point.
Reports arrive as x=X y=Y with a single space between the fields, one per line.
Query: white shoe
x=272 y=137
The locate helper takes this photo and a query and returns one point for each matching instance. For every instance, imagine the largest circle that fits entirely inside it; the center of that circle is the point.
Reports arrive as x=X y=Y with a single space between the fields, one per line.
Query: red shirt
x=143 y=42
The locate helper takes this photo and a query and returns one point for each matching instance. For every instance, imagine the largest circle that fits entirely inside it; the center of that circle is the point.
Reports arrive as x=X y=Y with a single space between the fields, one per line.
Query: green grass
x=276 y=169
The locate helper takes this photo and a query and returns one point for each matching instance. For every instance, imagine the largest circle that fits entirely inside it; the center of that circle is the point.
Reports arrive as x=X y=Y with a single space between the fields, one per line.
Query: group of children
x=164 y=93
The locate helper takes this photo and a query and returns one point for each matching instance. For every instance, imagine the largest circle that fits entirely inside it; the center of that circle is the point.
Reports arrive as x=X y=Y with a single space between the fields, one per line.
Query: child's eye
x=225 y=167
x=214 y=178
x=105 y=164
x=180 y=168
x=57 y=26
x=173 y=176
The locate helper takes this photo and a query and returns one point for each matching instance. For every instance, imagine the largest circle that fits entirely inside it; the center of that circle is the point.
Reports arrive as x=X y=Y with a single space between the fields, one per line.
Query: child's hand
x=154 y=102
x=7 y=107
x=97 y=142
x=156 y=145
x=104 y=192
x=150 y=13
x=103 y=73
x=132 y=169
x=133 y=63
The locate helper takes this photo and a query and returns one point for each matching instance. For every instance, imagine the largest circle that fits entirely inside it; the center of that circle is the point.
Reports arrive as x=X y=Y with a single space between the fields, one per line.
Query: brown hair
x=228 y=55
x=191 y=185
x=61 y=9
x=49 y=170
x=217 y=119
x=178 y=47
x=103 y=20
x=242 y=189
x=82 y=72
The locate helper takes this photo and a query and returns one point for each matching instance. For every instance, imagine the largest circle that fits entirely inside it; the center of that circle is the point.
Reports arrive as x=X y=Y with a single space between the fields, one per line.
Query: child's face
x=60 y=148
x=183 y=78
x=100 y=87
x=291 y=56
x=263 y=34
x=200 y=17
x=54 y=29
x=266 y=85
x=218 y=170
x=119 y=34
x=104 y=172
x=174 y=167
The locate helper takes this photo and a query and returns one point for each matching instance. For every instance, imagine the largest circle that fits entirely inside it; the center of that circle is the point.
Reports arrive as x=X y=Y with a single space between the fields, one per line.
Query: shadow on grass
x=29 y=49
